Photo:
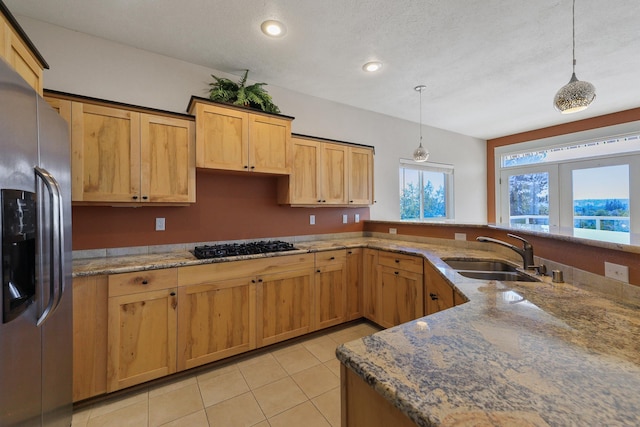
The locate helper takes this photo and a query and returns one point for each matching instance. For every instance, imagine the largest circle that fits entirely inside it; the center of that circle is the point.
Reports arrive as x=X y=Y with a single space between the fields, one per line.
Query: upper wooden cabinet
x=235 y=139
x=326 y=173
x=19 y=52
x=121 y=155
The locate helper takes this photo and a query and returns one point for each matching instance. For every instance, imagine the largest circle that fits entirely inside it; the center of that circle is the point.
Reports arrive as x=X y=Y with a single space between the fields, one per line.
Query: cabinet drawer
x=400 y=261
x=142 y=281
x=331 y=257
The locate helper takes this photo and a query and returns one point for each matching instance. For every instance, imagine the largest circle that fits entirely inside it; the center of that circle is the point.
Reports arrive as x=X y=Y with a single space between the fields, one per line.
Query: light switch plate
x=159 y=224
x=357 y=218
x=461 y=236
x=345 y=218
x=616 y=271
x=393 y=231
x=312 y=220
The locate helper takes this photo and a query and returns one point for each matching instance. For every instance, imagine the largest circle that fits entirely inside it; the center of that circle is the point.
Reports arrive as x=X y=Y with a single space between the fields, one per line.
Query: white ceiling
x=491 y=67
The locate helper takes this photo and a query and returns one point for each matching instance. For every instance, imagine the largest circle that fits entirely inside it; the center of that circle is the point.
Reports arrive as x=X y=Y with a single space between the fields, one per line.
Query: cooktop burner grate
x=235 y=249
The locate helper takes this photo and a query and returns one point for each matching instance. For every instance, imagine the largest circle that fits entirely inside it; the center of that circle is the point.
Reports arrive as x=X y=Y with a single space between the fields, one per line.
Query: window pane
x=434 y=194
x=529 y=199
x=601 y=203
x=409 y=194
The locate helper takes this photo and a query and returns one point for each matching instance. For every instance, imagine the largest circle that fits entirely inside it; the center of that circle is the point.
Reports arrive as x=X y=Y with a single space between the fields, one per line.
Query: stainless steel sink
x=488 y=270
x=505 y=276
x=478 y=265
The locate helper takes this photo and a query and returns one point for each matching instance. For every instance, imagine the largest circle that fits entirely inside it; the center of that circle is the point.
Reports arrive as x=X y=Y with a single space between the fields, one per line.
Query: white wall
x=90 y=66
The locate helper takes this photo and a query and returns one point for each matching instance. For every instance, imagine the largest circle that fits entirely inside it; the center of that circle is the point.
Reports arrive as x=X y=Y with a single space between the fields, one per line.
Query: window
x=426 y=191
x=589 y=188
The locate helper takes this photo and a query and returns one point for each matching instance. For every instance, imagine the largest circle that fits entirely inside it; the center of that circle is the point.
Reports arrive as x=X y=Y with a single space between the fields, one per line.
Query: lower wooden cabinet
x=401 y=297
x=354 y=283
x=142 y=327
x=89 y=337
x=215 y=319
x=370 y=297
x=330 y=288
x=439 y=294
x=284 y=304
x=393 y=287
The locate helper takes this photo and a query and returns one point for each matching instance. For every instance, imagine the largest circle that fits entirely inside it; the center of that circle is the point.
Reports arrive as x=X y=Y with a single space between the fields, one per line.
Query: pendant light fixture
x=576 y=95
x=421 y=154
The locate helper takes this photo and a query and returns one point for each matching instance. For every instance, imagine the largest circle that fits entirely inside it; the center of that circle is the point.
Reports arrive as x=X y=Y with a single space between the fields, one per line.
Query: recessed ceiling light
x=372 y=66
x=273 y=28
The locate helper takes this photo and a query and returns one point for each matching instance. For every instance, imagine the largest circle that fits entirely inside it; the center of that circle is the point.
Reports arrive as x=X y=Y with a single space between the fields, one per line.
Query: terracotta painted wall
x=228 y=207
x=567 y=128
x=587 y=258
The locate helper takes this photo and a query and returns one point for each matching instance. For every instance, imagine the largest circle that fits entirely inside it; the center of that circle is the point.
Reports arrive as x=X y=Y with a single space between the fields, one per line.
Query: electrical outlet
x=461 y=236
x=312 y=220
x=357 y=218
x=159 y=224
x=616 y=271
x=393 y=231
x=345 y=218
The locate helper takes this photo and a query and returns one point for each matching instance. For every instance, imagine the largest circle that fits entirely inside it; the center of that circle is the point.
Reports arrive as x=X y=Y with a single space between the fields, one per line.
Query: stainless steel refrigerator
x=35 y=226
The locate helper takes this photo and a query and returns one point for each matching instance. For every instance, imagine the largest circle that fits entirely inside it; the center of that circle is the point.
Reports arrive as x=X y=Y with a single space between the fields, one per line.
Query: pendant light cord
x=574 y=35
x=421 y=89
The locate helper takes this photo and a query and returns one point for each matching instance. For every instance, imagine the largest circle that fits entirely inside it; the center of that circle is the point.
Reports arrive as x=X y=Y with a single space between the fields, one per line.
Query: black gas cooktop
x=235 y=249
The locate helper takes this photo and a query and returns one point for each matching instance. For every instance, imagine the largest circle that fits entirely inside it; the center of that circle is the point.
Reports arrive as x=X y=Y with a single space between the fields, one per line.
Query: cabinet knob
x=349 y=253
x=259 y=280
x=317 y=271
x=253 y=281
x=398 y=261
x=332 y=258
x=145 y=197
x=135 y=197
x=350 y=201
x=246 y=167
x=433 y=296
x=324 y=201
x=253 y=167
x=145 y=282
x=396 y=272
x=319 y=201
x=173 y=294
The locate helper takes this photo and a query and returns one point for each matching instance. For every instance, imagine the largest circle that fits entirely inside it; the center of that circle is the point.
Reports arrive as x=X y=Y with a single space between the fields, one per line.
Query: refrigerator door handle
x=57 y=251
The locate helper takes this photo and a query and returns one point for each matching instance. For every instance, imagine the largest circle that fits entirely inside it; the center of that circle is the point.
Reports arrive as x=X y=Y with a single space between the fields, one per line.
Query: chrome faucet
x=526 y=252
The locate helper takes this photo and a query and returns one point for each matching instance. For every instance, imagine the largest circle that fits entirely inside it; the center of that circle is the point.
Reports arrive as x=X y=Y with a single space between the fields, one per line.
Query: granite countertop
x=515 y=354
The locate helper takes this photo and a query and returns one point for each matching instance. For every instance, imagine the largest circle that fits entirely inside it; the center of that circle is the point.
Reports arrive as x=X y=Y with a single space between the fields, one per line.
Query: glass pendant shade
x=574 y=96
x=420 y=154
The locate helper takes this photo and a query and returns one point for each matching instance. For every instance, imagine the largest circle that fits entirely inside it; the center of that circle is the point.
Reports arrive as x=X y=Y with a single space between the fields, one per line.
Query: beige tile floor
x=296 y=384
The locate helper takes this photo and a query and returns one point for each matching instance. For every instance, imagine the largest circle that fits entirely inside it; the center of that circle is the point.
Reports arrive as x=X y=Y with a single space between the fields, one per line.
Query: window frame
x=448 y=171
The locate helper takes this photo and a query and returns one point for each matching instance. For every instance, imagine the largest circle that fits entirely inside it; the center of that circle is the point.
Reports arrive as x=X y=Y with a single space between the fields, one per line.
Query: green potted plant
x=254 y=96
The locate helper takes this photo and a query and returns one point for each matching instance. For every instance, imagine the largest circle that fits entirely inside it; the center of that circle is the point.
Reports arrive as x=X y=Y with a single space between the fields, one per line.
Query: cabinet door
x=360 y=176
x=401 y=296
x=105 y=155
x=222 y=138
x=354 y=283
x=20 y=57
x=330 y=295
x=370 y=291
x=142 y=337
x=438 y=293
x=304 y=182
x=215 y=321
x=269 y=145
x=167 y=159
x=89 y=337
x=284 y=305
x=334 y=174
